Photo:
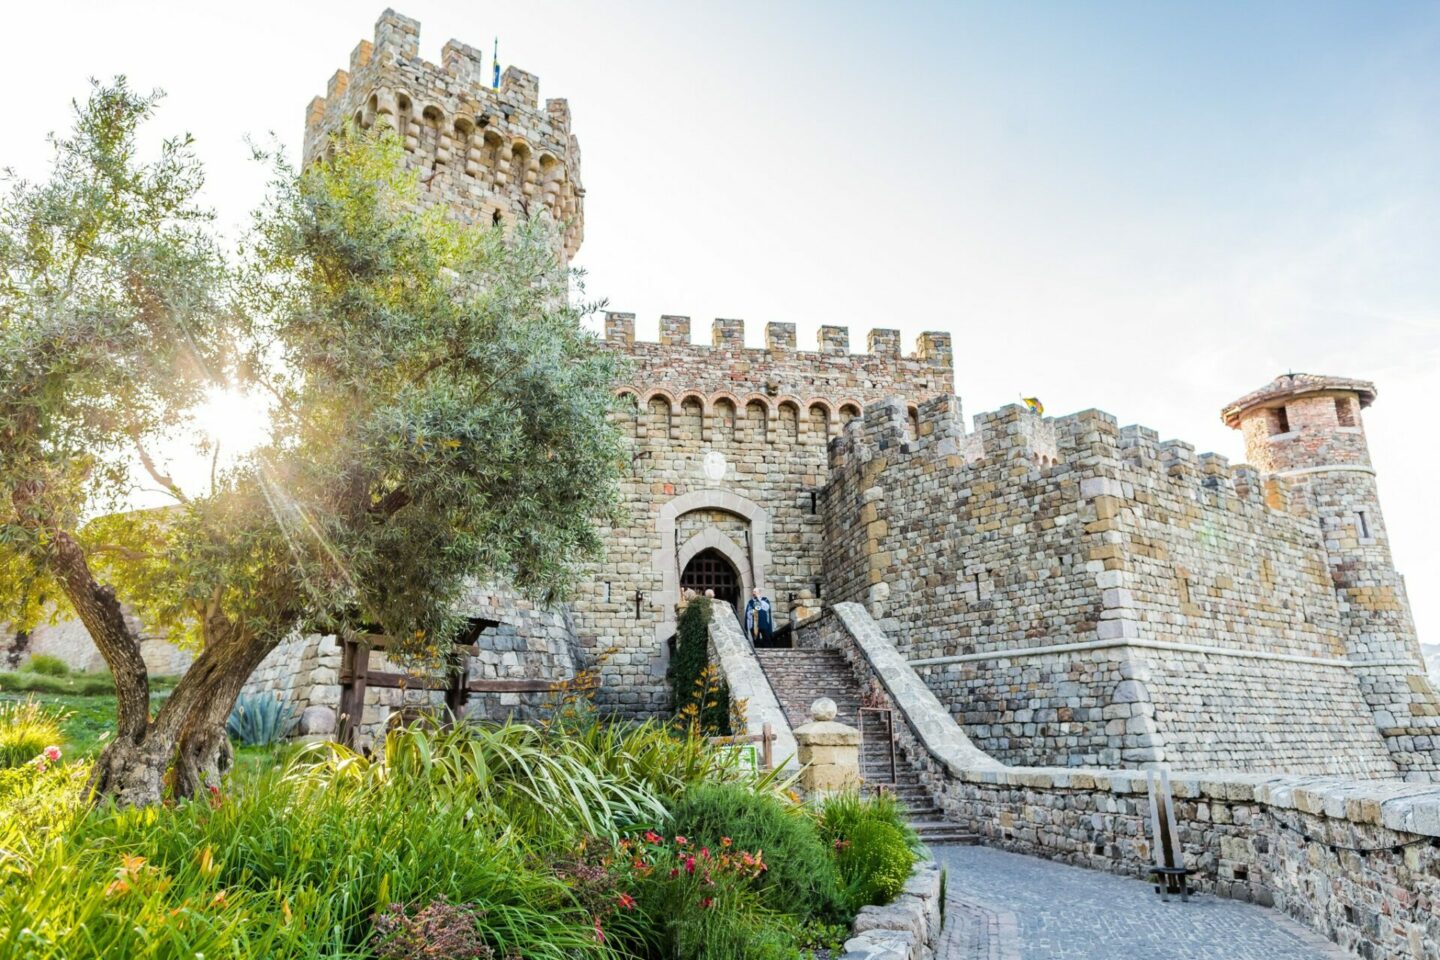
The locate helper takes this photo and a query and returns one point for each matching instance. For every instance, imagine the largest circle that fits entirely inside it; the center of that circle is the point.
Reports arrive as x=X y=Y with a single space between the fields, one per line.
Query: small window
x=495 y=218
x=1364 y=523
x=1279 y=421
x=1344 y=412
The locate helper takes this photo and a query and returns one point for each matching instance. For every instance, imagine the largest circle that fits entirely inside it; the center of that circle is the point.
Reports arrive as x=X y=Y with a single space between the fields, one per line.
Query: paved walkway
x=1003 y=906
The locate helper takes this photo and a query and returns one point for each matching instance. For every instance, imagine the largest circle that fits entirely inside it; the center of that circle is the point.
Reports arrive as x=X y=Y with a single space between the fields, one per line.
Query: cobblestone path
x=1003 y=906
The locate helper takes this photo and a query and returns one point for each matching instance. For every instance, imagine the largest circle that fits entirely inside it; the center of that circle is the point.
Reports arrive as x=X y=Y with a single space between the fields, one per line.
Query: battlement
x=675 y=331
x=935 y=430
x=779 y=375
x=491 y=155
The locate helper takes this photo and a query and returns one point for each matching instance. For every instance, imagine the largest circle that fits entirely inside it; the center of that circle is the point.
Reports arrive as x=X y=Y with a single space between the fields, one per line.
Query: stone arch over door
x=666 y=560
x=712 y=539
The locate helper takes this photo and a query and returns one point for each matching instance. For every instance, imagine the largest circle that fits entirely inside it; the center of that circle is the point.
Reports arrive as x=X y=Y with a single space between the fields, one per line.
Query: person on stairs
x=758 y=622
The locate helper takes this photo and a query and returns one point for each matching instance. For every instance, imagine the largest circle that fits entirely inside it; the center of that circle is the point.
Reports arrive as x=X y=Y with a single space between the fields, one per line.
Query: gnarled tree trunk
x=189 y=730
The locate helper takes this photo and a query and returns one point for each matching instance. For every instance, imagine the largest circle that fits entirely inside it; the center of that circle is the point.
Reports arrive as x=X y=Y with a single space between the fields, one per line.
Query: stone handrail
x=931 y=723
x=748 y=683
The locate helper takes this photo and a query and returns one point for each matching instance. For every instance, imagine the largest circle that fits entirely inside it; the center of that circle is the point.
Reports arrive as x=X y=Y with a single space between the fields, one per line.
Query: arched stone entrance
x=750 y=561
x=709 y=569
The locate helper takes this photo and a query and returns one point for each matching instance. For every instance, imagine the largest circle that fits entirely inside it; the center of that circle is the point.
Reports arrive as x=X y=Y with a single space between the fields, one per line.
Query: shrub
x=802 y=879
x=701 y=698
x=26 y=729
x=261 y=719
x=875 y=861
x=43 y=663
x=703 y=903
x=439 y=929
x=842 y=813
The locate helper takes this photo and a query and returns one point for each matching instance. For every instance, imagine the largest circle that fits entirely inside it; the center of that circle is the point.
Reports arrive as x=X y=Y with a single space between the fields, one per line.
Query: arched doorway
x=710 y=570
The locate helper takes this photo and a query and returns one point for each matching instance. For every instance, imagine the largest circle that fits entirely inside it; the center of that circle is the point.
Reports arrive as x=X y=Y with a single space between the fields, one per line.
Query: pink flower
x=52 y=753
x=689 y=864
x=680 y=841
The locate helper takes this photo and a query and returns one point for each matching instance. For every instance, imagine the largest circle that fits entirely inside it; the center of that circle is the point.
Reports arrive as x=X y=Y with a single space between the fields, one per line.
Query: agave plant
x=260 y=719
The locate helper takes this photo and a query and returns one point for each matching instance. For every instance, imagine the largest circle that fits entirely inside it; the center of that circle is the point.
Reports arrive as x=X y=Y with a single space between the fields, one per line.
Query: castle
x=1075 y=593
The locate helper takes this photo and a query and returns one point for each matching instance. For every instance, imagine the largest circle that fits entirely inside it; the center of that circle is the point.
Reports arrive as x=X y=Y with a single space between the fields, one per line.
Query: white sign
x=715 y=465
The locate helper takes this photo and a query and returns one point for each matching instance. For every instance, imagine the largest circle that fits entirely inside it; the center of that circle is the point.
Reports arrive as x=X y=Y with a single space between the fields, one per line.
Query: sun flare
x=238 y=421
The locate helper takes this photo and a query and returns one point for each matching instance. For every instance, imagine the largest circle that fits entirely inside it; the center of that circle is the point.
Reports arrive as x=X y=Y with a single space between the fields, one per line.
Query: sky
x=1149 y=208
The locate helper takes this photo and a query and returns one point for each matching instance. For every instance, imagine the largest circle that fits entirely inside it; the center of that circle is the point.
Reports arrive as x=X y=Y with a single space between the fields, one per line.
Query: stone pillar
x=829 y=752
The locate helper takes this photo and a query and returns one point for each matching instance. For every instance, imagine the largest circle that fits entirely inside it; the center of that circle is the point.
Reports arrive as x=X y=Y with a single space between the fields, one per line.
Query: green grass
x=90 y=718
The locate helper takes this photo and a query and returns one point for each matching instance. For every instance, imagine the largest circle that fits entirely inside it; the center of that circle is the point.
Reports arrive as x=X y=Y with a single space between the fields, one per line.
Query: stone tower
x=1304 y=433
x=491 y=155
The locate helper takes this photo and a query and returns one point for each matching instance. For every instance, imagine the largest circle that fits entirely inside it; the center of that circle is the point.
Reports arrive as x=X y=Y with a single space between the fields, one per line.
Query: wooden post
x=767 y=737
x=354 y=668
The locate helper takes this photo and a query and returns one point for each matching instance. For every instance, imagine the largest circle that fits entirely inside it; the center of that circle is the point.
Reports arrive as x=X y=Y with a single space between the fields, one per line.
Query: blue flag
x=496 y=58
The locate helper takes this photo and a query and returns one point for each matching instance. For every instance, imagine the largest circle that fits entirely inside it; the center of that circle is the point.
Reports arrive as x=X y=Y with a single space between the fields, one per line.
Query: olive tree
x=437 y=414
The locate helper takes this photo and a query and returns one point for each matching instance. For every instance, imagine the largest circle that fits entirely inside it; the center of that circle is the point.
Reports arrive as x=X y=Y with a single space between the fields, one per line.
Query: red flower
x=707 y=903
x=652 y=837
x=626 y=901
x=725 y=841
x=680 y=841
x=705 y=853
x=599 y=933
x=689 y=864
x=215 y=798
x=674 y=874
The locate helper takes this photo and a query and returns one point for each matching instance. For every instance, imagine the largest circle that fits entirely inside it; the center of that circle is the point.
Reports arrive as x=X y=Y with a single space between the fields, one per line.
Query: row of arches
x=474 y=147
x=724 y=414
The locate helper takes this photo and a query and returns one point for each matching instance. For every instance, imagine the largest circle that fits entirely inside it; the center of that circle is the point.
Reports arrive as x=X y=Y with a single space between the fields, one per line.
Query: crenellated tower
x=490 y=155
x=1304 y=434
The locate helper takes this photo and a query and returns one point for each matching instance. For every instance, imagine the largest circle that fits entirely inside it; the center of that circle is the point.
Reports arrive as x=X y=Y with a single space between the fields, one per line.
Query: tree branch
x=161 y=478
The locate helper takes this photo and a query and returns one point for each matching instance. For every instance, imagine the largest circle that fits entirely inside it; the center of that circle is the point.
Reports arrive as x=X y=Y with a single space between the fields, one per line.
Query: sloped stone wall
x=1120 y=604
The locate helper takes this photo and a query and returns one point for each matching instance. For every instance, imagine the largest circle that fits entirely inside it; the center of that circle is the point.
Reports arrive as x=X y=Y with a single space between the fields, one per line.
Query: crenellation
x=883 y=342
x=674 y=331
x=728 y=333
x=829 y=339
x=779 y=337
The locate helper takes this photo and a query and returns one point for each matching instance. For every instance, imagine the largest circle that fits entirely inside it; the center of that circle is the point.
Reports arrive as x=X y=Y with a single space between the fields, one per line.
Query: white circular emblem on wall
x=715 y=465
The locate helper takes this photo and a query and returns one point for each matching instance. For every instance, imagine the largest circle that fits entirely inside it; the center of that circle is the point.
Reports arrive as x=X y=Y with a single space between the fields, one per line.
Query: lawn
x=86 y=699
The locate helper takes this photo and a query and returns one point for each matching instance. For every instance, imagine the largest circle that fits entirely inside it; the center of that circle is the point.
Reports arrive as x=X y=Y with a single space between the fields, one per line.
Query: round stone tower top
x=1302 y=422
x=1287 y=385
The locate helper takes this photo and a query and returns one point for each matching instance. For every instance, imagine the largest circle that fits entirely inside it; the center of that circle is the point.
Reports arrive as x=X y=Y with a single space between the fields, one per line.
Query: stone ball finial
x=823 y=710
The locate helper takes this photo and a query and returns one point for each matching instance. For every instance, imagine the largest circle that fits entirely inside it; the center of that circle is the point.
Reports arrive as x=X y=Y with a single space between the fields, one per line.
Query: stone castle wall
x=488 y=155
x=727 y=451
x=1080 y=594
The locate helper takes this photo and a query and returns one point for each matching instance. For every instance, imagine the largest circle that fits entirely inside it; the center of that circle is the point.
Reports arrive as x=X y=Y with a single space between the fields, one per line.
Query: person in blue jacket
x=759 y=623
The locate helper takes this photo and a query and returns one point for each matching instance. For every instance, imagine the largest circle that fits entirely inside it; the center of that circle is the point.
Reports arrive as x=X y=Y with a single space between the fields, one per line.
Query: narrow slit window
x=1364 y=524
x=1344 y=413
x=1281 y=421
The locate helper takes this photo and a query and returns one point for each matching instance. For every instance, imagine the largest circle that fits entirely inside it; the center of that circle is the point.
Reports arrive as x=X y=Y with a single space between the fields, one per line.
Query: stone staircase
x=799 y=677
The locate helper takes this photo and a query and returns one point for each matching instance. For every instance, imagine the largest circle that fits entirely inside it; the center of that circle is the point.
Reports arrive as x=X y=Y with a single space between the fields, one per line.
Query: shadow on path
x=1003 y=906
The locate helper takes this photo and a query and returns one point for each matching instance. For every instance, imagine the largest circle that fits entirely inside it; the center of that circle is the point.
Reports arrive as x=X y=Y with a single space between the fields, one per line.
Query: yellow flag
x=1035 y=405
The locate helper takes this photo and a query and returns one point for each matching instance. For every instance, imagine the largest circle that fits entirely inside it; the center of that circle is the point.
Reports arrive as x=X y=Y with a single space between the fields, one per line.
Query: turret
x=1304 y=434
x=1302 y=422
